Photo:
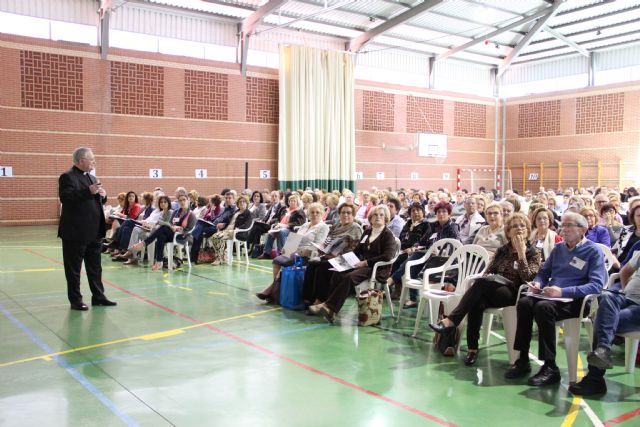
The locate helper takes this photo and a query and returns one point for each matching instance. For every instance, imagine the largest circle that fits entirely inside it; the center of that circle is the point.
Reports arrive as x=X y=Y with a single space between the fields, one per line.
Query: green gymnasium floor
x=200 y=350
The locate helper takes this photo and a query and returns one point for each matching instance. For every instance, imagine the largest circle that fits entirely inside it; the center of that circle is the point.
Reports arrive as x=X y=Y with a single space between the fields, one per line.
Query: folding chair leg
x=630 y=353
x=418 y=316
x=571 y=344
x=510 y=321
x=487 y=322
x=388 y=293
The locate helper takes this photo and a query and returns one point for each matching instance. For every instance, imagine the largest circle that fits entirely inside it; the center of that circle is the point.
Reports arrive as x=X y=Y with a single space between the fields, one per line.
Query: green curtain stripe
x=323 y=184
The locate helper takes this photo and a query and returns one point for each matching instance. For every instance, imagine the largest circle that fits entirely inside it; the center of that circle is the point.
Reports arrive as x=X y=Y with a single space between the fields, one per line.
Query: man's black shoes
x=79 y=306
x=589 y=385
x=547 y=375
x=102 y=302
x=600 y=358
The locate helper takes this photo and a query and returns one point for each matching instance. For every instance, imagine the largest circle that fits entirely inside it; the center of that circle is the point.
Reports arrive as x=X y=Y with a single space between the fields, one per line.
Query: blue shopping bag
x=291 y=280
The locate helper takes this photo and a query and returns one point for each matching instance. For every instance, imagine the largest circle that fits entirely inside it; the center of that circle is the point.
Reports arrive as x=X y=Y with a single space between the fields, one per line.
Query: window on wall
x=619 y=75
x=544 y=86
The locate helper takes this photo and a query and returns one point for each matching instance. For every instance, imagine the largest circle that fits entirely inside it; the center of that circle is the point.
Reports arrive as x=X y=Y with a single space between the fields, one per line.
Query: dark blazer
x=296 y=219
x=382 y=249
x=280 y=211
x=82 y=217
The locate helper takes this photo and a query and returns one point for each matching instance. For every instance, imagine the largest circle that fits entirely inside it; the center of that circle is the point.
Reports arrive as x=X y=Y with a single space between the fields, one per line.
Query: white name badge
x=433 y=236
x=515 y=265
x=540 y=244
x=493 y=237
x=364 y=239
x=577 y=263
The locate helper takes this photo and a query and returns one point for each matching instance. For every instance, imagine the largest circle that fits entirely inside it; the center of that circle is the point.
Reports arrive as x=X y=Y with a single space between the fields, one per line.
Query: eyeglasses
x=518 y=225
x=346 y=213
x=493 y=213
x=542 y=219
x=379 y=214
x=569 y=225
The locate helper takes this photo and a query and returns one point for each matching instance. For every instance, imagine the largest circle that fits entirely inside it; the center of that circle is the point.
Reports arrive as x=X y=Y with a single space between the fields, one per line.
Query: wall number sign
x=155 y=173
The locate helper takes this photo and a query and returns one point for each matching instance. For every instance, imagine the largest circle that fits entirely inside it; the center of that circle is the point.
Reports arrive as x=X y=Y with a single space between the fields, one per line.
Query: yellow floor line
x=572 y=414
x=146 y=337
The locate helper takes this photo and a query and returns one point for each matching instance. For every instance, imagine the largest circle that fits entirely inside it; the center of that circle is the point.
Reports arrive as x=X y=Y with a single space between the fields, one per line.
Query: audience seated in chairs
x=618 y=313
x=608 y=220
x=444 y=227
x=410 y=236
x=342 y=238
x=160 y=216
x=542 y=236
x=330 y=215
x=491 y=236
x=130 y=210
x=514 y=264
x=182 y=222
x=293 y=217
x=596 y=233
x=257 y=206
x=574 y=269
x=314 y=232
x=123 y=233
x=272 y=217
x=201 y=207
x=377 y=244
x=206 y=227
x=112 y=214
x=240 y=219
x=397 y=222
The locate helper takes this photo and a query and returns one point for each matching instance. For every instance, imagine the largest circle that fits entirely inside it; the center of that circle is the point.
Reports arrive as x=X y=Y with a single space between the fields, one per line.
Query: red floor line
x=623 y=417
x=272 y=353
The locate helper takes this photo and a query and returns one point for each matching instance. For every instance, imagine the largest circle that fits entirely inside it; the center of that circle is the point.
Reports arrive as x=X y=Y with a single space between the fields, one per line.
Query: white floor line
x=584 y=405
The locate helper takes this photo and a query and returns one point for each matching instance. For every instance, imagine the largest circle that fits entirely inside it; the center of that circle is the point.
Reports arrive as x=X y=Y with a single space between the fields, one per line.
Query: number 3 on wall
x=155 y=173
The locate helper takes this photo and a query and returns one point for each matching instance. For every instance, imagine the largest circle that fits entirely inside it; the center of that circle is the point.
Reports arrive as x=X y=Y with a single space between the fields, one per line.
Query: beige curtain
x=317 y=119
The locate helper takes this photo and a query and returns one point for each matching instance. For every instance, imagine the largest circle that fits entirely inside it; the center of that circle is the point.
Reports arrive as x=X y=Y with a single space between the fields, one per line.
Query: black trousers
x=546 y=313
x=480 y=296
x=316 y=281
x=73 y=254
x=258 y=229
x=342 y=283
x=162 y=236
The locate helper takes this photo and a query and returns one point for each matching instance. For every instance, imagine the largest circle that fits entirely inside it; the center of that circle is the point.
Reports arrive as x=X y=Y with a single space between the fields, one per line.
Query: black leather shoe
x=517 y=370
x=440 y=328
x=588 y=386
x=264 y=256
x=472 y=358
x=545 y=376
x=600 y=358
x=262 y=296
x=80 y=307
x=103 y=302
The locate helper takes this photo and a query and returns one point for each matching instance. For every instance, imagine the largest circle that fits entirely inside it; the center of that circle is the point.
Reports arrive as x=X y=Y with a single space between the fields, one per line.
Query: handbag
x=370 y=303
x=205 y=255
x=291 y=282
x=447 y=342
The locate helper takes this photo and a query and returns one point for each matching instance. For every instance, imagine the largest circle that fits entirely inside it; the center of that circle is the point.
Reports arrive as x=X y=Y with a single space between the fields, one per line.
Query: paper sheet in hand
x=291 y=244
x=336 y=246
x=205 y=221
x=344 y=262
x=541 y=296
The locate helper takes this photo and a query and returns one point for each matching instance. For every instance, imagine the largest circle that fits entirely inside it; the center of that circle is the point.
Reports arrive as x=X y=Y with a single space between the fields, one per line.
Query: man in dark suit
x=81 y=228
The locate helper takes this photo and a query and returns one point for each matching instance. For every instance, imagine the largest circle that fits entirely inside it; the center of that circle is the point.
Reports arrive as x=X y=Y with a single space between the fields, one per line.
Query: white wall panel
x=76 y=11
x=545 y=70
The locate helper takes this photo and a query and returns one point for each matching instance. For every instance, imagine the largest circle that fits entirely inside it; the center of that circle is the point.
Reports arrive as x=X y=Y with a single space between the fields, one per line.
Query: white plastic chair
x=471 y=261
x=180 y=245
x=442 y=247
x=509 y=316
x=609 y=258
x=239 y=244
x=631 y=341
x=372 y=283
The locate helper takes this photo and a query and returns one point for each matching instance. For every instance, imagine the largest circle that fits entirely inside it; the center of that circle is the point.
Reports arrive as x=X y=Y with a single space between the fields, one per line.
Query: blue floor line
x=71 y=370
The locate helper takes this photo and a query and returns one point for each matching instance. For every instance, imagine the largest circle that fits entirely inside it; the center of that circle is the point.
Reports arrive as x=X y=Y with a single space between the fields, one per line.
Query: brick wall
x=598 y=128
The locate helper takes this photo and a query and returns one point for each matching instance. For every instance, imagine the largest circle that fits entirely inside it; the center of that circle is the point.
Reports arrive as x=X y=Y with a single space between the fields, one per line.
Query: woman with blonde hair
x=542 y=237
